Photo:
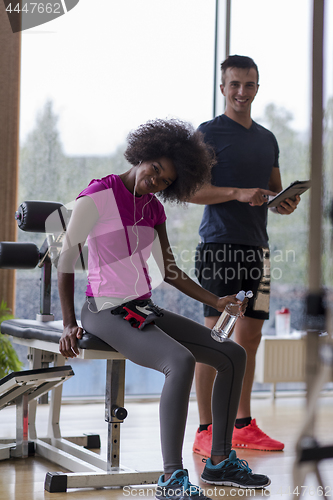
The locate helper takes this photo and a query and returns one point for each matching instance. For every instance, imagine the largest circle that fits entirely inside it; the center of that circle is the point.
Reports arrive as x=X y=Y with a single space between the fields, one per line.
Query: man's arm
x=275 y=183
x=210 y=195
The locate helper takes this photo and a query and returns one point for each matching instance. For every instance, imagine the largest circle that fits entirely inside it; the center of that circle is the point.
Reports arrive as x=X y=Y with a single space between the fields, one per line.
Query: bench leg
x=88 y=469
x=55 y=404
x=114 y=402
x=35 y=362
x=38 y=359
x=22 y=446
x=115 y=474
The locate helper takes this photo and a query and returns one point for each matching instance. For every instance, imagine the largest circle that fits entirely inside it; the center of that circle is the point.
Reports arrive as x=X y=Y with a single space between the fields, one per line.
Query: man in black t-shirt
x=233 y=254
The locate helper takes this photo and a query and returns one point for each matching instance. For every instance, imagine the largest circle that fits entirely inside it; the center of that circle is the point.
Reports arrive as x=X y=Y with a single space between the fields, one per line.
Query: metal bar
x=218 y=51
x=55 y=404
x=113 y=453
x=14 y=394
x=215 y=56
x=227 y=28
x=118 y=477
x=45 y=387
x=315 y=232
x=21 y=448
x=45 y=291
x=64 y=459
x=314 y=376
x=77 y=452
x=54 y=347
x=316 y=453
x=59 y=482
x=114 y=396
x=5 y=451
x=35 y=361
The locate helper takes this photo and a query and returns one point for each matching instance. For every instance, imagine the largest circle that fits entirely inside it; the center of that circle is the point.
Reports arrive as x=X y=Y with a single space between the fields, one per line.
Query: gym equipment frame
x=41 y=336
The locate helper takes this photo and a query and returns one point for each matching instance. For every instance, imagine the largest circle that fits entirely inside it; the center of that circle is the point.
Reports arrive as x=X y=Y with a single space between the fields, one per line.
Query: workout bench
x=41 y=336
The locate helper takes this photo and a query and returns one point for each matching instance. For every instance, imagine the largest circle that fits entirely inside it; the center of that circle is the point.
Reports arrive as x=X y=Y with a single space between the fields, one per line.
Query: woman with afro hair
x=124 y=224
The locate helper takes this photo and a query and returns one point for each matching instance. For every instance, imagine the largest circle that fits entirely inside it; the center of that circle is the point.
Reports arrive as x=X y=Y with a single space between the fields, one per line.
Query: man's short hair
x=236 y=61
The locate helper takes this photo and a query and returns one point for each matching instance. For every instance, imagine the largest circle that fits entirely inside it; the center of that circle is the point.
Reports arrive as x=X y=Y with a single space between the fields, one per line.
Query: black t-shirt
x=245 y=159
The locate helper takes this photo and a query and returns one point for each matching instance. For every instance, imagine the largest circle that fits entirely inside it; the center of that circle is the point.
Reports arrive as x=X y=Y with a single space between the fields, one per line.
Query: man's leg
x=246 y=432
x=248 y=335
x=204 y=380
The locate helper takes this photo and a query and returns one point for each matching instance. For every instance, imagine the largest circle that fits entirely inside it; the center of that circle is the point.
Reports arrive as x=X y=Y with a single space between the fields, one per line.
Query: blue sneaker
x=178 y=487
x=233 y=472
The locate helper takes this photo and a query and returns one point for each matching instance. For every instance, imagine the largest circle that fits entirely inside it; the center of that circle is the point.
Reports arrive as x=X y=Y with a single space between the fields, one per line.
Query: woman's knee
x=237 y=355
x=182 y=362
x=240 y=355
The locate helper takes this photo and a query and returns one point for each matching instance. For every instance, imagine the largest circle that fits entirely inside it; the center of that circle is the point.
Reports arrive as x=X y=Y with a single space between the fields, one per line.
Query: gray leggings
x=172 y=346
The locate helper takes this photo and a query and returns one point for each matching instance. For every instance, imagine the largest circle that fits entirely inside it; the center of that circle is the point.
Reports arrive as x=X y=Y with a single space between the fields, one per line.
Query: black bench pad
x=49 y=331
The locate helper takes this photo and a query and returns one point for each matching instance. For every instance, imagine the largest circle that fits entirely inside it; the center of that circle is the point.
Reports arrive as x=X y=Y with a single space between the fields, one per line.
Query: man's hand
x=254 y=196
x=288 y=206
x=67 y=344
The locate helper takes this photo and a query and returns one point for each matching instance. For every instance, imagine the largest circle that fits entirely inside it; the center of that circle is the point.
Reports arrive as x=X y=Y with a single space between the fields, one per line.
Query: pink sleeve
x=160 y=215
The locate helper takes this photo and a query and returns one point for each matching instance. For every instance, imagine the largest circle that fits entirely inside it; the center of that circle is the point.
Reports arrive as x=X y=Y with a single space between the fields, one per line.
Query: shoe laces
x=187 y=486
x=241 y=464
x=254 y=425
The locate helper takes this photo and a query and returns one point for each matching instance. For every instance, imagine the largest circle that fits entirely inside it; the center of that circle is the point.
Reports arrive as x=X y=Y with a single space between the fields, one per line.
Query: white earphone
x=136 y=233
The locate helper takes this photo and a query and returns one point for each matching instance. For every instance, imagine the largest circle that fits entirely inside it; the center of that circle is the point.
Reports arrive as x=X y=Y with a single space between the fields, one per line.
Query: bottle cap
x=284 y=310
x=240 y=295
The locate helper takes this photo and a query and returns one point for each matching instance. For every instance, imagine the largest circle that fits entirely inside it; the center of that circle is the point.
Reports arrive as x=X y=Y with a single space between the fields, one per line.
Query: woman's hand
x=243 y=307
x=231 y=299
x=67 y=344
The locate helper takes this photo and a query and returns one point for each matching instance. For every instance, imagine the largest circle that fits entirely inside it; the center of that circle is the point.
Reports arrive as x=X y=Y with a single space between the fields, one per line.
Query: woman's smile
x=155 y=175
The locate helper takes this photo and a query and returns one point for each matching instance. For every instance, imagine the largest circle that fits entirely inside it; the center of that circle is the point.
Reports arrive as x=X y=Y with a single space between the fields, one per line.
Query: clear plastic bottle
x=224 y=325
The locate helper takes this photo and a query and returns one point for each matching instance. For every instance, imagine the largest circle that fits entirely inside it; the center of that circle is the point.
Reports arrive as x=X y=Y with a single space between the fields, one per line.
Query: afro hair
x=178 y=141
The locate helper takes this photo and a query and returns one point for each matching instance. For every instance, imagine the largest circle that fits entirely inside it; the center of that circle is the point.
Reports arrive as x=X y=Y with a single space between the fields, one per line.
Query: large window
x=88 y=78
x=283 y=105
x=105 y=67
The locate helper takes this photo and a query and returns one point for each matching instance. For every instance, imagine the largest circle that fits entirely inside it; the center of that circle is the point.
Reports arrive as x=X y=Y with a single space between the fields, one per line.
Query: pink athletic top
x=120 y=242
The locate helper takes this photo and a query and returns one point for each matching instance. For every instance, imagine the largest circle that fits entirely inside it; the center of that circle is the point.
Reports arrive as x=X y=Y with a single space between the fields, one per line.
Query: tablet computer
x=297 y=187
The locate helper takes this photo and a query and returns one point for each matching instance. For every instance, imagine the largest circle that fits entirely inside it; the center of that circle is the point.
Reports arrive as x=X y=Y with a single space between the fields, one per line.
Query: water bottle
x=227 y=320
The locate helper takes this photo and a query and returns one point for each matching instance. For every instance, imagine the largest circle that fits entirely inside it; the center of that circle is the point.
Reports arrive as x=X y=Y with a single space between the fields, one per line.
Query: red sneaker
x=254 y=438
x=203 y=442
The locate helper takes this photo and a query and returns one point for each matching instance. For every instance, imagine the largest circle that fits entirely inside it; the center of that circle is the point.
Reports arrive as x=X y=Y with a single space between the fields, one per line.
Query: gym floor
x=140 y=449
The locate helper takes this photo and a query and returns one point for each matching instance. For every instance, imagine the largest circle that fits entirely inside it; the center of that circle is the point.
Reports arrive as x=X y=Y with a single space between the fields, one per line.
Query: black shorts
x=225 y=269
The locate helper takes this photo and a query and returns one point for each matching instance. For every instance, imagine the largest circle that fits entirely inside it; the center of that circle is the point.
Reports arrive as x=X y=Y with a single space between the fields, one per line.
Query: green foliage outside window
x=46 y=173
x=9 y=361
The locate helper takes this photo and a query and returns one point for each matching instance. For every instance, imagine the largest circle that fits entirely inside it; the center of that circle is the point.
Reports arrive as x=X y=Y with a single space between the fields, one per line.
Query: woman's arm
x=83 y=219
x=180 y=280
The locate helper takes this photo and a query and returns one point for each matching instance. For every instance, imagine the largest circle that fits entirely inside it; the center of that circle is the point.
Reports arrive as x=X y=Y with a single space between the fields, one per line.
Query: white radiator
x=281 y=359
